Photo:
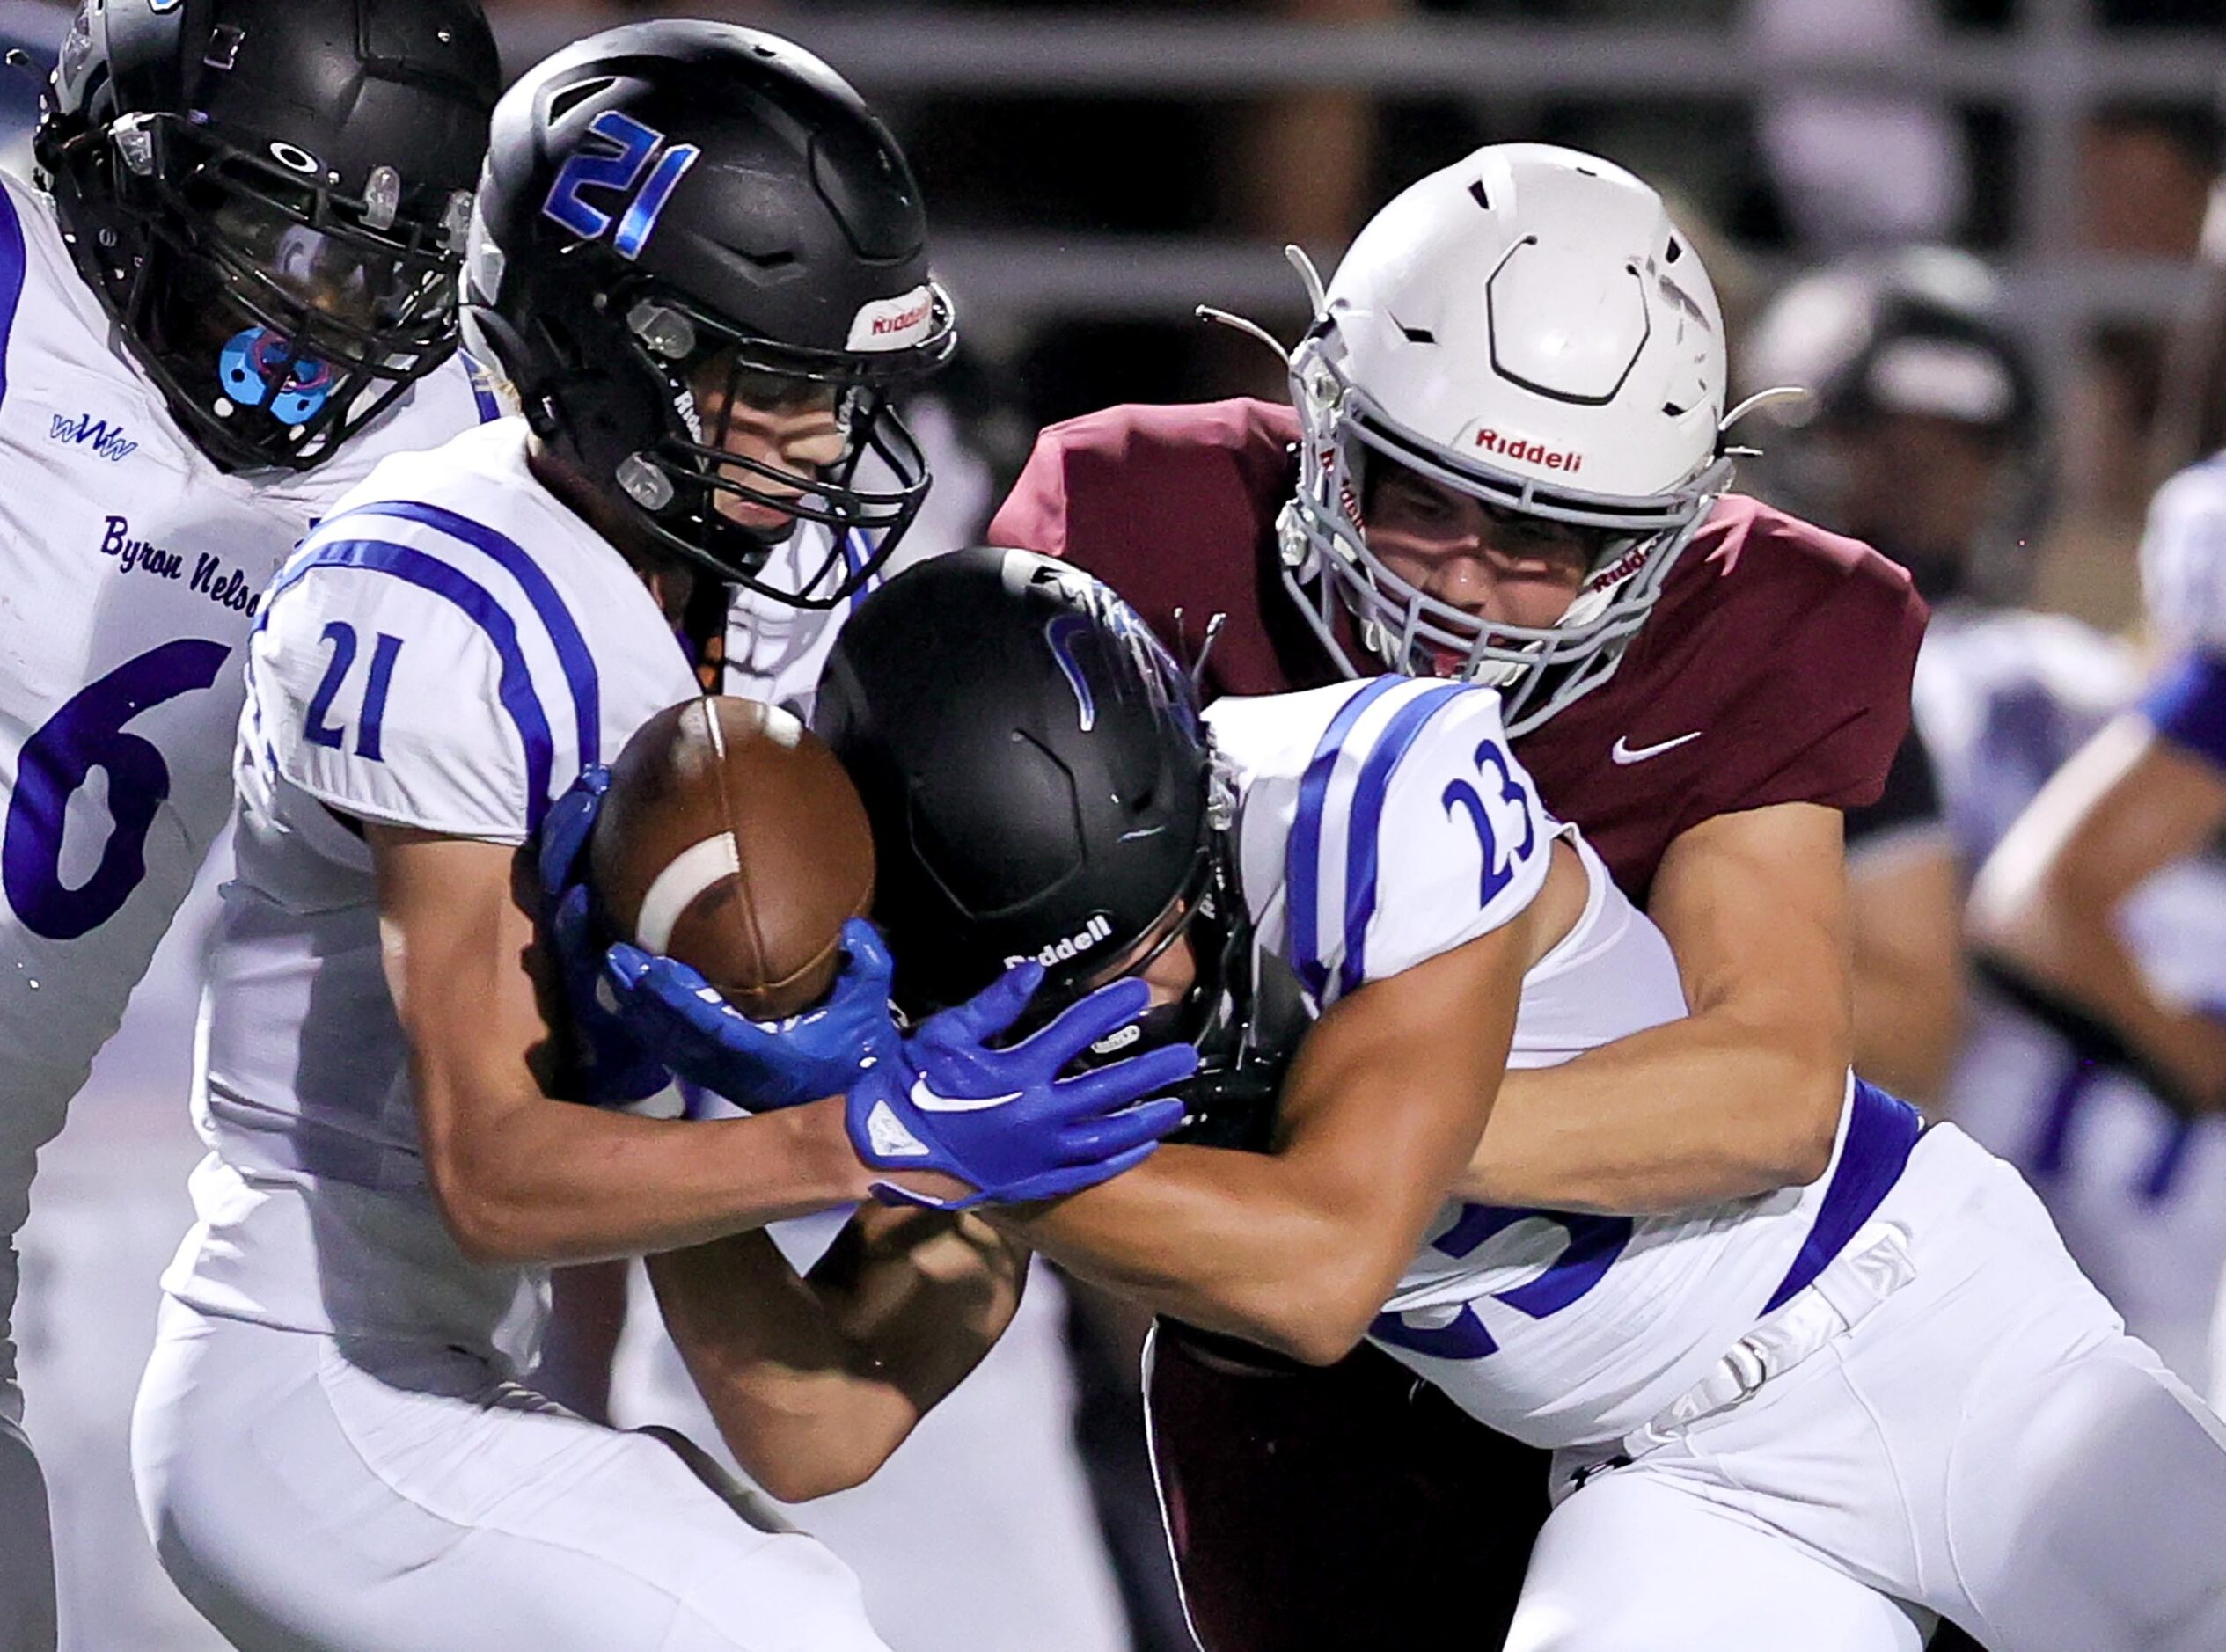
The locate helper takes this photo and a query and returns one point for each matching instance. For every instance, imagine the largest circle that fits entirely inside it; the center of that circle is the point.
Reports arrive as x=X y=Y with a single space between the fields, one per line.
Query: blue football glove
x=670 y=1010
x=1003 y=1121
x=606 y=1067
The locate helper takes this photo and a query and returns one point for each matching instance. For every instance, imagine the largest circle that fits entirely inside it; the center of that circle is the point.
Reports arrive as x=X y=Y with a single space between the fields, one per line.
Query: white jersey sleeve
x=2183 y=558
x=1405 y=825
x=400 y=680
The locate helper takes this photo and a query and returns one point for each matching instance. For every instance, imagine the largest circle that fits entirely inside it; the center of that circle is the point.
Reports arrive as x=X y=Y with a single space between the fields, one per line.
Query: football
x=732 y=840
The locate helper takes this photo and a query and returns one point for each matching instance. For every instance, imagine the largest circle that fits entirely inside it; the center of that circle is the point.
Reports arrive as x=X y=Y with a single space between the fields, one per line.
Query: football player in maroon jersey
x=1506 y=463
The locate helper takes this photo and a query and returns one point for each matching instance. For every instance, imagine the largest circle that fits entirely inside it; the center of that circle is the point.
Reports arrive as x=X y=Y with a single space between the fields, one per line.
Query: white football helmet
x=1529 y=328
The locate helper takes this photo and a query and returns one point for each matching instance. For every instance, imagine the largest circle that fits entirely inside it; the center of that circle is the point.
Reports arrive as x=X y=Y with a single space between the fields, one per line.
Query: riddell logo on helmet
x=912 y=318
x=892 y=323
x=1525 y=451
x=1620 y=569
x=1095 y=932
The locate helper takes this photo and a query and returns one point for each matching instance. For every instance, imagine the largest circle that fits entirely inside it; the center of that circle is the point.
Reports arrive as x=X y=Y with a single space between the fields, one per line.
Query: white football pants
x=310 y=1493
x=1987 y=1443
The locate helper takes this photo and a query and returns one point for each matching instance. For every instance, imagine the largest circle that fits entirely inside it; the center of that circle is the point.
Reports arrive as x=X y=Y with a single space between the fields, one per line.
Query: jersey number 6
x=88 y=734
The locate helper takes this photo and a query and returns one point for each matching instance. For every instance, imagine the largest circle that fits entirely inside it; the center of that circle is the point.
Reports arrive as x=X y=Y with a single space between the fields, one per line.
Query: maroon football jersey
x=1775 y=669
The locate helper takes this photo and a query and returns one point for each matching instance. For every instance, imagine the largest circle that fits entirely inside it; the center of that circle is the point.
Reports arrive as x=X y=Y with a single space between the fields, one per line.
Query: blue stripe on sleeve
x=2186 y=704
x=13 y=262
x=513 y=685
x=1302 y=856
x=1365 y=827
x=571 y=653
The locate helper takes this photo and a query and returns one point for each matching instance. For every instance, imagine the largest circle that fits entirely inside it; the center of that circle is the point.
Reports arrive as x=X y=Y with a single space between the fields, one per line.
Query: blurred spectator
x=2146 y=172
x=1927 y=436
x=2103 y=910
x=1858 y=168
x=2145 y=177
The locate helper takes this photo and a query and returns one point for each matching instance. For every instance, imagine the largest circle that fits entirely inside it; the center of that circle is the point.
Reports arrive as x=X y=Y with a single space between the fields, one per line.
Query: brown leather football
x=732 y=840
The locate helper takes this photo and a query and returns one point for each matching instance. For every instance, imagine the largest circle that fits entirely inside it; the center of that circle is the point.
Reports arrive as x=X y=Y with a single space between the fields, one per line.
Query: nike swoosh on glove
x=605 y=1065
x=1004 y=1121
x=672 y=1012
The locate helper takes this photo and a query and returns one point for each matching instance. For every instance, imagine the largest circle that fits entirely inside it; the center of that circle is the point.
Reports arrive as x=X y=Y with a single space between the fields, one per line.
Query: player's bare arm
x=826 y=1372
x=1297 y=1250
x=1905 y=941
x=1741 y=1097
x=522 y=1176
x=2044 y=905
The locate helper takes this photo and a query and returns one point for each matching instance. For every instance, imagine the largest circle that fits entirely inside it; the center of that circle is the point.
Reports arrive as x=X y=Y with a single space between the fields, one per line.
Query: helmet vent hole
x=1476 y=192
x=1673 y=251
x=1674 y=410
x=566 y=100
x=1415 y=335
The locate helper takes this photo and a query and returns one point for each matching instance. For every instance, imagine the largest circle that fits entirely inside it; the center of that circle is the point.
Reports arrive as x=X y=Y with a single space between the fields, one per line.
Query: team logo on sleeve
x=93 y=436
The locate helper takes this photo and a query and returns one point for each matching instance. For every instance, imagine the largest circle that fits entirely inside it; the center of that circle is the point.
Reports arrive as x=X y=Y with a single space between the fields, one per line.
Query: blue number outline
x=1594 y=1244
x=384 y=652
x=1510 y=791
x=1459 y=795
x=367 y=736
x=315 y=729
x=589 y=169
x=87 y=732
x=584 y=168
x=641 y=216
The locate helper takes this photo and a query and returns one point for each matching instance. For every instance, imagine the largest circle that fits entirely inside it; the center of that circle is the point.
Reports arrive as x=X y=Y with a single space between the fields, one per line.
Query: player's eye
x=1409 y=498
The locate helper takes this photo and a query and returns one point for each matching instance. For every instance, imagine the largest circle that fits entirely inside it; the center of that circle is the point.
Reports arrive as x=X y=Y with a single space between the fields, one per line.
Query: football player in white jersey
x=1926 y=438
x=1817 y=1416
x=232 y=290
x=699 y=262
x=2069 y=902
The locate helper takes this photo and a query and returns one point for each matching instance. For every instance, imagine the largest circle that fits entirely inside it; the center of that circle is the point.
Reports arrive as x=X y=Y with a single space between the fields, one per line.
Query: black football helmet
x=270 y=197
x=1923 y=330
x=680 y=219
x=1041 y=786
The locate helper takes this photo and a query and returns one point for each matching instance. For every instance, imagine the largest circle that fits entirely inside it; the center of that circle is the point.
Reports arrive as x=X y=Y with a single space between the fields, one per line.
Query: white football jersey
x=445 y=652
x=2003 y=697
x=1382 y=824
x=133 y=567
x=2183 y=558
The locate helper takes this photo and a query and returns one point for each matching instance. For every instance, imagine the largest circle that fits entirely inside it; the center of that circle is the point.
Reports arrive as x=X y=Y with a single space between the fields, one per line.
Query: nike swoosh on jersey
x=1623 y=751
x=927 y=1102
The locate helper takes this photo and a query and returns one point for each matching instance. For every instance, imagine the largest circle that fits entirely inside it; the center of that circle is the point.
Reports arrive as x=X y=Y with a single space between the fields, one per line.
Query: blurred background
x=1092 y=171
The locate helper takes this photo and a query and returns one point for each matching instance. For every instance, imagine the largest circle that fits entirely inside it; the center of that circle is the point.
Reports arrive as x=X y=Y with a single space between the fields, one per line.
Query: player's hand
x=1003 y=1121
x=606 y=1066
x=670 y=1010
